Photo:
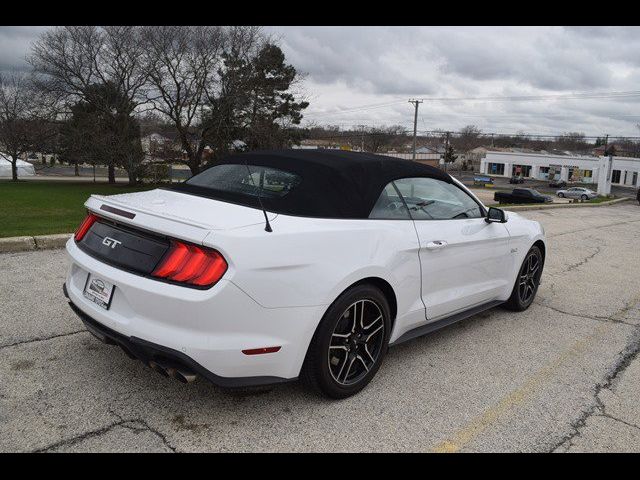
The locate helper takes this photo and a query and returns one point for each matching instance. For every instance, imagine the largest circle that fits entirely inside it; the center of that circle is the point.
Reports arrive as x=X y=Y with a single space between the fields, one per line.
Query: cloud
x=14 y=46
x=349 y=67
x=352 y=66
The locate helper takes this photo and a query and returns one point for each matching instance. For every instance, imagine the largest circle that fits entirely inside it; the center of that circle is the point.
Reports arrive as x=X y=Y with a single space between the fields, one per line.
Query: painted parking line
x=526 y=391
x=520 y=395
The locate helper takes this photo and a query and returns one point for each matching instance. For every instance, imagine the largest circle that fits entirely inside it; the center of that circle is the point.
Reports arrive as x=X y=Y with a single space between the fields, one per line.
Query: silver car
x=577 y=192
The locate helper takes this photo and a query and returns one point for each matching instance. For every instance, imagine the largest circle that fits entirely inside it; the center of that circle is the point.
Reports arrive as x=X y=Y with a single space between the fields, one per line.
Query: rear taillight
x=85 y=226
x=199 y=266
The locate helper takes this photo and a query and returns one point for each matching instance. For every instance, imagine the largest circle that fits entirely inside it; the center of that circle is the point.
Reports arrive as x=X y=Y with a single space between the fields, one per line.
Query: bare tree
x=72 y=64
x=72 y=60
x=468 y=138
x=182 y=63
x=25 y=123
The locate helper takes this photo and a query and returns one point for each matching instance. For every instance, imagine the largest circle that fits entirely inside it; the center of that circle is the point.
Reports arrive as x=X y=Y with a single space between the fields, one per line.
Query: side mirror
x=495 y=215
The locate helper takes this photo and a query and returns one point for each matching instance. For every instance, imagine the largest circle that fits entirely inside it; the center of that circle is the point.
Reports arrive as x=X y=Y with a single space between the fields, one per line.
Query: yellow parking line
x=466 y=434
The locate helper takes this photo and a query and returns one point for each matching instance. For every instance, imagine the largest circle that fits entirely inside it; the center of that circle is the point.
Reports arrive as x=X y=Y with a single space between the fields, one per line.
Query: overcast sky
x=366 y=75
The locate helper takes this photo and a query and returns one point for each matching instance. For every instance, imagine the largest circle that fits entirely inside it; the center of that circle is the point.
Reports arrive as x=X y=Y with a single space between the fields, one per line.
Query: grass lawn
x=41 y=208
x=600 y=200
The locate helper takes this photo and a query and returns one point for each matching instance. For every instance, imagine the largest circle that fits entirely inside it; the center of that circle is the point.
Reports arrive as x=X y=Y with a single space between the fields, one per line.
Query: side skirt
x=444 y=322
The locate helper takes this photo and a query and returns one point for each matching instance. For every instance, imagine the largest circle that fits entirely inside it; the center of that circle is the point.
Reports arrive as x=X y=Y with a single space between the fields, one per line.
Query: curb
x=38 y=242
x=563 y=205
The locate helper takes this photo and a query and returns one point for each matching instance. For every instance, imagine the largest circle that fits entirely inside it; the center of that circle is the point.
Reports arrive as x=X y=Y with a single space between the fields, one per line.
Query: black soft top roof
x=334 y=183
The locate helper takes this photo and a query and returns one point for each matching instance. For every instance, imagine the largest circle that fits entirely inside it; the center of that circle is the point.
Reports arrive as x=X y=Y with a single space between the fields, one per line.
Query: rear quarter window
x=252 y=180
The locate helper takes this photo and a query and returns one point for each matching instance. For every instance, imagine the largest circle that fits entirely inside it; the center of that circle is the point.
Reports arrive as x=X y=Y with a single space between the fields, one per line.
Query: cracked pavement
x=562 y=376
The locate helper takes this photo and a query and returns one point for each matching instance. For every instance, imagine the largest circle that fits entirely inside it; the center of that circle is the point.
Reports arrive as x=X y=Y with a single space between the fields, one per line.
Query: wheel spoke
x=372 y=323
x=373 y=333
x=529 y=291
x=346 y=357
x=366 y=349
x=346 y=375
x=362 y=362
x=355 y=311
x=356 y=342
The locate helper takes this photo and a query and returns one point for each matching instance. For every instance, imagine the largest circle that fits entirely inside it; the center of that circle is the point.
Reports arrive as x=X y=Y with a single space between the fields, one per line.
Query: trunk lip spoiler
x=167 y=216
x=106 y=200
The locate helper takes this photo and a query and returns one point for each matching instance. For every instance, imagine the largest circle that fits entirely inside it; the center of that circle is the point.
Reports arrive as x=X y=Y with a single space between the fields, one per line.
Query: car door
x=573 y=193
x=464 y=260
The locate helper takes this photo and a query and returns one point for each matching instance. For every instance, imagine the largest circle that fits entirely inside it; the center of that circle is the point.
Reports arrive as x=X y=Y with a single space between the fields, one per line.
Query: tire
x=584 y=197
x=561 y=195
x=324 y=368
x=529 y=286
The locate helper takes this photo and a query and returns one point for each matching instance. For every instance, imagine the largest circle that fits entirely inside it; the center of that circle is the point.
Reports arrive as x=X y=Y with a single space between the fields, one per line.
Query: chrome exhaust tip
x=184 y=376
x=159 y=368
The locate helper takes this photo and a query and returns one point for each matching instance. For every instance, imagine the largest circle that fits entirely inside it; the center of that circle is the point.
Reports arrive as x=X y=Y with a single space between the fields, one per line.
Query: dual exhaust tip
x=179 y=373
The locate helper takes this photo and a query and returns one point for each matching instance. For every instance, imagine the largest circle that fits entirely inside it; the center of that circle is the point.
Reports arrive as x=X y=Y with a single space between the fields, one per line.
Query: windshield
x=244 y=179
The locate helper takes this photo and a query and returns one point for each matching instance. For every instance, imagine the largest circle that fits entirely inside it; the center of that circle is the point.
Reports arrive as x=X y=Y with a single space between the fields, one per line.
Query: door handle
x=436 y=245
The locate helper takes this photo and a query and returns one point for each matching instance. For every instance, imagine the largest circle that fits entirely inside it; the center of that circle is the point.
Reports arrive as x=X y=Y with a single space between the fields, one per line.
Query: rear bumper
x=205 y=330
x=148 y=352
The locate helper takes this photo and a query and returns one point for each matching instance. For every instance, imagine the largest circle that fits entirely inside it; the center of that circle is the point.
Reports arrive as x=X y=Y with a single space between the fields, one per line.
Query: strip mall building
x=623 y=171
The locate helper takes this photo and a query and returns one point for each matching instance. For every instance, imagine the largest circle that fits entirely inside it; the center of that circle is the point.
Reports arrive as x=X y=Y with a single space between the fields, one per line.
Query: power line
x=509 y=98
x=494 y=135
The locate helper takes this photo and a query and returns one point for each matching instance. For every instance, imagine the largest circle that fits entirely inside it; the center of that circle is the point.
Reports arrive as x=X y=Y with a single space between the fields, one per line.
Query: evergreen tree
x=101 y=131
x=449 y=154
x=255 y=104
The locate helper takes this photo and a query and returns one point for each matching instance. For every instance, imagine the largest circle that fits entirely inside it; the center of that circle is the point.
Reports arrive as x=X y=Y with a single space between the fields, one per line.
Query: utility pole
x=446 y=150
x=415 y=124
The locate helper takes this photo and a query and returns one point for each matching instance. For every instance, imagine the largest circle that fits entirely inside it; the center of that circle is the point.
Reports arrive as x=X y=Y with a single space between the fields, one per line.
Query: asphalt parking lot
x=562 y=376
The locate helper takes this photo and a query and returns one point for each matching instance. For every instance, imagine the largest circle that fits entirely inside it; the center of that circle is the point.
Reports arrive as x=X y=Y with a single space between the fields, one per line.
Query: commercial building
x=624 y=171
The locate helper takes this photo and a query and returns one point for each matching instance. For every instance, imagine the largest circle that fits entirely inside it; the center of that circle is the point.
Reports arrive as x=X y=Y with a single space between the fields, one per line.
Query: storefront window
x=615 y=176
x=543 y=173
x=522 y=170
x=496 y=168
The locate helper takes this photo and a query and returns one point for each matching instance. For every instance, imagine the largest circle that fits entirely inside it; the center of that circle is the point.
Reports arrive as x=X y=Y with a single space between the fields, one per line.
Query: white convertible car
x=278 y=265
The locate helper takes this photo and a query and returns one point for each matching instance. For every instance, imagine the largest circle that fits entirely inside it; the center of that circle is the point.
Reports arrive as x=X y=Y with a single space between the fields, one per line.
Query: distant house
x=166 y=146
x=437 y=150
x=474 y=156
x=615 y=149
x=311 y=144
x=154 y=142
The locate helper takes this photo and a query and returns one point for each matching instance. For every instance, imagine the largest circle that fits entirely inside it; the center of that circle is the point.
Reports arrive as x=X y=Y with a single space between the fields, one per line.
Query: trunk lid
x=134 y=230
x=154 y=209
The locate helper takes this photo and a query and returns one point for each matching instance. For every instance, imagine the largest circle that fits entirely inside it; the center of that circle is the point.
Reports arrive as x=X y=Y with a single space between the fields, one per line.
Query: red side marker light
x=260 y=351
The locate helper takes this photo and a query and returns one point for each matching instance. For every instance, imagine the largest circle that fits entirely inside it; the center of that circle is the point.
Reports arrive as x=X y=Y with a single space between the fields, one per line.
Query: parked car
x=557 y=184
x=483 y=182
x=516 y=179
x=522 y=195
x=577 y=192
x=273 y=266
